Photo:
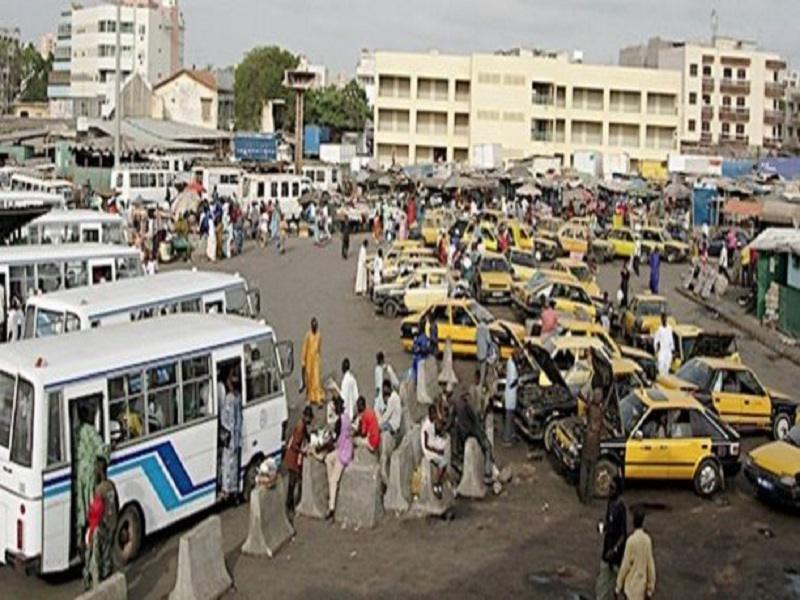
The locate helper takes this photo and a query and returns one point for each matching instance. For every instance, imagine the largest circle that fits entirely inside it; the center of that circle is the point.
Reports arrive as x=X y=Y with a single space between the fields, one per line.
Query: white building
x=152 y=40
x=188 y=97
x=47 y=45
x=365 y=74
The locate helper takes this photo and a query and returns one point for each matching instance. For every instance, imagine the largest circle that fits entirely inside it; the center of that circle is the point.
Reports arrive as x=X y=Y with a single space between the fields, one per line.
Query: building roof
x=778 y=239
x=206 y=78
x=146 y=134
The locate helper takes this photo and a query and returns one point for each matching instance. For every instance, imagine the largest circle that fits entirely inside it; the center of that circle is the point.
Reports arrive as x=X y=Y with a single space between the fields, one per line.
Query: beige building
x=732 y=93
x=188 y=97
x=432 y=107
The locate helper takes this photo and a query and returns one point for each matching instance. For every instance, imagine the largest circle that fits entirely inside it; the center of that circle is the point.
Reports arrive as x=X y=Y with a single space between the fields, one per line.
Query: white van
x=152 y=390
x=21 y=182
x=147 y=184
x=285 y=188
x=140 y=298
x=226 y=180
x=76 y=227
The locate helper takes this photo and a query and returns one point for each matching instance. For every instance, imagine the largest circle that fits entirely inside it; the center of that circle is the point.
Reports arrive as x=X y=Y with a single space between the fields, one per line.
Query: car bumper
x=768 y=486
x=490 y=295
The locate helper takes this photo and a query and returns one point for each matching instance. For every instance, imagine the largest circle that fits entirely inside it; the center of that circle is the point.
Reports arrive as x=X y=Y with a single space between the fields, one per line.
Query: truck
x=260 y=147
x=313 y=137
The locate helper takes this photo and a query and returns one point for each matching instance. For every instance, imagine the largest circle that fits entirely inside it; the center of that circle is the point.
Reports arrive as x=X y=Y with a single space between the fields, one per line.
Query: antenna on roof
x=714 y=26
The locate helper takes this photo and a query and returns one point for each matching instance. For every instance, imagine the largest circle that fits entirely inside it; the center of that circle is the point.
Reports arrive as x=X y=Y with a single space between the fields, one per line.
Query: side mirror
x=285 y=351
x=638 y=436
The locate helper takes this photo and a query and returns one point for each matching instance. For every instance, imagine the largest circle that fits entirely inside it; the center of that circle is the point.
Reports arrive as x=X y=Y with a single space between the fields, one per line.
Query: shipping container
x=313 y=136
x=262 y=147
x=337 y=154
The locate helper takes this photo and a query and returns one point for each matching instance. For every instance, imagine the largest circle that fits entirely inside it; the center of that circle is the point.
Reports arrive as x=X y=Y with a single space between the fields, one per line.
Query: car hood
x=780 y=458
x=546 y=364
x=671 y=382
x=494 y=278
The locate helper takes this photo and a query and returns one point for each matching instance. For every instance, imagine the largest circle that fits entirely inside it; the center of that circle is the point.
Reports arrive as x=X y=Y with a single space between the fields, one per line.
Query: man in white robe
x=664 y=345
x=361 y=270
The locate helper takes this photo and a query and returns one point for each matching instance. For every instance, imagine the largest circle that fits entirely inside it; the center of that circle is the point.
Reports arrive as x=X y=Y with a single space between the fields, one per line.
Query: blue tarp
x=785 y=167
x=704 y=208
x=256 y=146
x=737 y=167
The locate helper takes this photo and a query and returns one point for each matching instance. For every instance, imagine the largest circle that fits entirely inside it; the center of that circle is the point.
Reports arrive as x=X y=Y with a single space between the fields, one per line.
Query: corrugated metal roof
x=778 y=239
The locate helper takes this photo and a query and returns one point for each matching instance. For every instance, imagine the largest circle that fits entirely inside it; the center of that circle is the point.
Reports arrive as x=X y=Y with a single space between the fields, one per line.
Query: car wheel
x=390 y=309
x=604 y=473
x=128 y=536
x=549 y=434
x=707 y=478
x=781 y=426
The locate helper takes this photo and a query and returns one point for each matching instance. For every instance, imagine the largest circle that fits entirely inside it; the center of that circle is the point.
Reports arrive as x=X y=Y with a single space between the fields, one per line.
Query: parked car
x=415 y=291
x=774 y=470
x=493 y=278
x=670 y=249
x=691 y=341
x=642 y=318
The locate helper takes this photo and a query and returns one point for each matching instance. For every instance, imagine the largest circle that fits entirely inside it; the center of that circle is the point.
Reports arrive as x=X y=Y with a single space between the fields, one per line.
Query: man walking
x=655 y=270
x=637 y=572
x=100 y=536
x=295 y=450
x=310 y=364
x=615 y=532
x=510 y=399
x=345 y=238
x=664 y=345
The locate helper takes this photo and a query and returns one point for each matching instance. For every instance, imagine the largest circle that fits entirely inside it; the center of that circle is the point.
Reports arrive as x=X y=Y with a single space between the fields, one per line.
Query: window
x=461 y=317
x=334 y=175
x=706 y=100
x=705 y=127
x=564 y=360
x=726 y=101
x=749 y=385
x=320 y=176
x=72 y=323
x=284 y=189
x=273 y=189
x=703 y=426
x=6 y=407
x=692 y=125
x=693 y=70
x=727 y=73
x=55 y=431
x=739 y=129
x=135 y=180
x=162 y=397
x=126 y=412
x=706 y=70
x=191 y=306
x=49 y=322
x=726 y=128
x=236 y=301
x=680 y=424
x=260 y=189
x=740 y=101
x=295 y=189
x=205 y=109
x=655 y=425
x=741 y=74
x=197 y=387
x=440 y=314
x=119 y=180
x=692 y=98
x=22 y=438
x=21 y=280
x=49 y=279
x=261 y=369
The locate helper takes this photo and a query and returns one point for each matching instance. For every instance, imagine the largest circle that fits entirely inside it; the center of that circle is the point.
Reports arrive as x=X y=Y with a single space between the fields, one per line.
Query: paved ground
x=534 y=540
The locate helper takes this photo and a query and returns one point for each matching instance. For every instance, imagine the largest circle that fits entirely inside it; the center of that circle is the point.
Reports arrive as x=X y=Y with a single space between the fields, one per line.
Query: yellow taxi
x=573 y=238
x=622 y=241
x=519 y=235
x=404 y=265
x=654 y=434
x=641 y=357
x=735 y=393
x=523 y=264
x=774 y=470
x=671 y=250
x=567 y=292
x=581 y=271
x=547 y=227
x=572 y=357
x=643 y=317
x=493 y=278
x=413 y=292
x=457 y=320
x=485 y=231
x=400 y=249
x=691 y=341
x=435 y=221
x=627 y=376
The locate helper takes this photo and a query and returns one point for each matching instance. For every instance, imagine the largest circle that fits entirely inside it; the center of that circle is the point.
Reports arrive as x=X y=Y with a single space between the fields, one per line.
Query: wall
x=182 y=100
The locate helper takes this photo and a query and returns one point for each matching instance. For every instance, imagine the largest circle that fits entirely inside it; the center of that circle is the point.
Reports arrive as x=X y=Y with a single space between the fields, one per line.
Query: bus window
x=72 y=323
x=76 y=274
x=295 y=189
x=91 y=235
x=197 y=384
x=334 y=175
x=236 y=302
x=260 y=193
x=162 y=397
x=55 y=429
x=22 y=438
x=49 y=322
x=126 y=407
x=214 y=307
x=49 y=277
x=21 y=281
x=6 y=406
x=190 y=306
x=284 y=189
x=101 y=273
x=123 y=269
x=135 y=180
x=120 y=184
x=263 y=378
x=273 y=189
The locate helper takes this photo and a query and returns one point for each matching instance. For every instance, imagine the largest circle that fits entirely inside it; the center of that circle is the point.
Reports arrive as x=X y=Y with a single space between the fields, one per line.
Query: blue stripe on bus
x=180 y=298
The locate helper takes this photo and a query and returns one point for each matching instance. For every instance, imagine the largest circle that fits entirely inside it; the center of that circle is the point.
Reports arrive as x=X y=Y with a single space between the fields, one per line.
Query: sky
x=219 y=32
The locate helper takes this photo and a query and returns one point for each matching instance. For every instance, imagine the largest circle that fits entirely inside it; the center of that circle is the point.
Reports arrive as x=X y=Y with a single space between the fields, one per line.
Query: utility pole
x=117 y=91
x=300 y=81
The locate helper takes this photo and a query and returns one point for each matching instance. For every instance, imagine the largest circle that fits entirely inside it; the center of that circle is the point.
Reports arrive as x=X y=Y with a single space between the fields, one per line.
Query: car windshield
x=631 y=410
x=651 y=308
x=581 y=272
x=494 y=264
x=525 y=259
x=480 y=313
x=651 y=235
x=697 y=373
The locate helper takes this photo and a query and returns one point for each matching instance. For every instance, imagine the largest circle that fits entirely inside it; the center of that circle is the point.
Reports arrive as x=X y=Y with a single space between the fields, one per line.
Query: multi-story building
x=47 y=45
x=9 y=71
x=791 y=136
x=732 y=93
x=432 y=107
x=365 y=74
x=151 y=44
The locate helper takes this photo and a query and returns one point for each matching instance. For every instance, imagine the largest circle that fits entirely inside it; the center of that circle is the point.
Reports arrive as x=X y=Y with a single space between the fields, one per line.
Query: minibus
x=22 y=182
x=75 y=227
x=146 y=184
x=283 y=188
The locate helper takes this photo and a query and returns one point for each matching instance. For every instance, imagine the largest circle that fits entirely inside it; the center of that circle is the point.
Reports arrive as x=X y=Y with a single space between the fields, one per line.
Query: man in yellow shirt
x=310 y=361
x=637 y=573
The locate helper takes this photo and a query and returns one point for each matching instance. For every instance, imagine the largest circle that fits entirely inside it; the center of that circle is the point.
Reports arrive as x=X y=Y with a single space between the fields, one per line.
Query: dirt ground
x=535 y=540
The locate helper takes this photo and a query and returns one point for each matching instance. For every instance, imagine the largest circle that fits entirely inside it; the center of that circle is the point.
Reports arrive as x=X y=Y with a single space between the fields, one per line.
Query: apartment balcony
x=705 y=137
x=773 y=89
x=541 y=136
x=773 y=117
x=728 y=138
x=461 y=130
x=707 y=113
x=734 y=114
x=734 y=86
x=772 y=142
x=708 y=85
x=776 y=65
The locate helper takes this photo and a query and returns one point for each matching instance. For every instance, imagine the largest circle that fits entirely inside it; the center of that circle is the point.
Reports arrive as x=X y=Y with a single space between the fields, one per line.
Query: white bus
x=147 y=184
x=22 y=182
x=285 y=188
x=226 y=180
x=323 y=177
x=48 y=268
x=152 y=390
x=140 y=298
x=76 y=227
x=9 y=200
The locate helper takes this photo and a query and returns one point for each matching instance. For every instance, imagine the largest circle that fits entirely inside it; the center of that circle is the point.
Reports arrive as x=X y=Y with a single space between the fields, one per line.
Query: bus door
x=101 y=270
x=91 y=232
x=229 y=451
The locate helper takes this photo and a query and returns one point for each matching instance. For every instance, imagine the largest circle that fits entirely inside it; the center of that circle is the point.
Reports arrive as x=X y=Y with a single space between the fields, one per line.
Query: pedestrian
x=655 y=270
x=14 y=321
x=615 y=531
x=664 y=345
x=230 y=433
x=745 y=260
x=340 y=453
x=310 y=362
x=723 y=261
x=348 y=389
x=295 y=452
x=483 y=340
x=345 y=238
x=368 y=434
x=637 y=572
x=510 y=399
x=391 y=416
x=549 y=317
x=624 y=282
x=637 y=255
x=211 y=242
x=377 y=269
x=383 y=372
x=361 y=270
x=100 y=536
x=590 y=452
x=434 y=448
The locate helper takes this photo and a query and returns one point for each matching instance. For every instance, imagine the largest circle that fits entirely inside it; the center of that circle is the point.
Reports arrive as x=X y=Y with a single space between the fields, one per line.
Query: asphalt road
x=534 y=540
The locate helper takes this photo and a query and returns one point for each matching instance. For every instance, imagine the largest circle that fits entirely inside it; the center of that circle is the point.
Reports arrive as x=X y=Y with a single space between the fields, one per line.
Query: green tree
x=259 y=78
x=343 y=109
x=34 y=71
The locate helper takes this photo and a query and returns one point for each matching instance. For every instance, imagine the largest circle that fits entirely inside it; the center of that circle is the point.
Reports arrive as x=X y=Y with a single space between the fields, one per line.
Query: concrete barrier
x=314 y=499
x=472 y=472
x=414 y=436
x=398 y=490
x=427 y=381
x=427 y=504
x=447 y=376
x=113 y=588
x=360 y=499
x=386 y=449
x=202 y=574
x=269 y=524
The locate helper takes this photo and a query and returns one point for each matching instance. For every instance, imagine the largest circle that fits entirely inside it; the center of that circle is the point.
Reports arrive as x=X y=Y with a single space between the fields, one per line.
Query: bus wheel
x=128 y=537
